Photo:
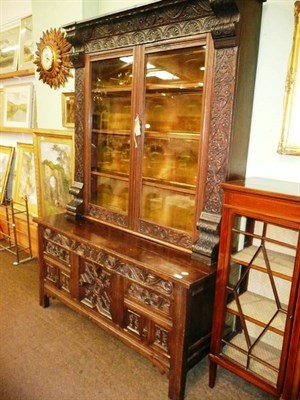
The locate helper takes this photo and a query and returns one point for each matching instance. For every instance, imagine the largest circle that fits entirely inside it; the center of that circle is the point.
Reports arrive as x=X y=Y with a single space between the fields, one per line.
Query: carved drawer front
x=58 y=252
x=149 y=298
x=57 y=275
x=96 y=288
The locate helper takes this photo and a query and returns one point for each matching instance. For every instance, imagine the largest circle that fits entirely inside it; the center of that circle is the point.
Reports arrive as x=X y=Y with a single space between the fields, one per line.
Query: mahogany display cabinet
x=256 y=319
x=163 y=100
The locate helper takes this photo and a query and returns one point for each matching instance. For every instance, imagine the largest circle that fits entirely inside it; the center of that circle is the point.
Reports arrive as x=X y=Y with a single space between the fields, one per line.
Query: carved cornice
x=152 y=23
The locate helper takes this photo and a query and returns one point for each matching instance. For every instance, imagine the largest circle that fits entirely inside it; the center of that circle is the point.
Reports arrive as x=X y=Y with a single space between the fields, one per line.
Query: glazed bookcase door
x=259 y=297
x=173 y=122
x=111 y=93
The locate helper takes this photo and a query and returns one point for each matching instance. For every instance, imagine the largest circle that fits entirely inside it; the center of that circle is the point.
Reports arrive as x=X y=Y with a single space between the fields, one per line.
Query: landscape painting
x=54 y=168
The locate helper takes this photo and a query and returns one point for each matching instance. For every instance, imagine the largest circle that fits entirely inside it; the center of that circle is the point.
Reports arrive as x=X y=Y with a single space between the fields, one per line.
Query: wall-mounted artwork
x=290 y=137
x=24 y=184
x=26 y=52
x=17 y=105
x=68 y=109
x=6 y=158
x=54 y=157
x=9 y=49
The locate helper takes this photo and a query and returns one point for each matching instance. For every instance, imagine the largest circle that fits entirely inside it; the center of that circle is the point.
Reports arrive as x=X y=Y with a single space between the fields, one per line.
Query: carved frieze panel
x=108 y=216
x=168 y=235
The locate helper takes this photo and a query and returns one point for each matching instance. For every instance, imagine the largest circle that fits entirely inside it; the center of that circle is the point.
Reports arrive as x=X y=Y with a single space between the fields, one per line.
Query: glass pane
x=110 y=153
x=109 y=193
x=111 y=126
x=168 y=208
x=173 y=110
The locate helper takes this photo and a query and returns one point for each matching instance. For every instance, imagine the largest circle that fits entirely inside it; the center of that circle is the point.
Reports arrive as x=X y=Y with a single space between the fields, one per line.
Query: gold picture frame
x=24 y=184
x=290 y=135
x=68 y=109
x=17 y=105
x=54 y=160
x=6 y=159
x=26 y=52
x=9 y=45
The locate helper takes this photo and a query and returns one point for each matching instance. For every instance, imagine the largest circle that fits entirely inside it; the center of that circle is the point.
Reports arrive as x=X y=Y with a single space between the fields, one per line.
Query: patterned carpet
x=55 y=354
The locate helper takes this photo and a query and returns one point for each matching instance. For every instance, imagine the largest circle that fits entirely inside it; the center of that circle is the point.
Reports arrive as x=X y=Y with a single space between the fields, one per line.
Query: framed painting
x=289 y=142
x=68 y=109
x=24 y=184
x=6 y=159
x=1 y=107
x=26 y=52
x=17 y=105
x=9 y=45
x=54 y=161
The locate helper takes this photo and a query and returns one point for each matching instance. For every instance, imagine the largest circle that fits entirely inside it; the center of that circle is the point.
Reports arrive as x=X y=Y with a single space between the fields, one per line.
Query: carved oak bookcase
x=163 y=97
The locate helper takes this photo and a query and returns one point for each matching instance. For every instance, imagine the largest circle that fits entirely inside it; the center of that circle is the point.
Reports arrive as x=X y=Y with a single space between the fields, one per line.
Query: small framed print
x=6 y=159
x=54 y=158
x=68 y=110
x=26 y=53
x=17 y=105
x=9 y=45
x=24 y=185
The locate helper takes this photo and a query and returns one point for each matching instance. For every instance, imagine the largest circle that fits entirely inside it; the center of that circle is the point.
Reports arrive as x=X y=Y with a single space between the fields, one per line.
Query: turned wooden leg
x=212 y=373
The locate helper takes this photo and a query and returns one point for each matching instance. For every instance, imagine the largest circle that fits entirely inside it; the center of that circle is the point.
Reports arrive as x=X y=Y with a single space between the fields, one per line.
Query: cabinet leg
x=212 y=373
x=44 y=301
x=177 y=389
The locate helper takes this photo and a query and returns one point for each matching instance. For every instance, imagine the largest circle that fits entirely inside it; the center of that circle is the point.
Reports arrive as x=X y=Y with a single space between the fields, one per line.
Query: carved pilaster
x=218 y=152
x=79 y=124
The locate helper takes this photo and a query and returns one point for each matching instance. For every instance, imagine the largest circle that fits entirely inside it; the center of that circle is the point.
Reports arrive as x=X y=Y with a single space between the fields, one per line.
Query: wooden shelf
x=282 y=265
x=259 y=310
x=16 y=130
x=17 y=74
x=261 y=356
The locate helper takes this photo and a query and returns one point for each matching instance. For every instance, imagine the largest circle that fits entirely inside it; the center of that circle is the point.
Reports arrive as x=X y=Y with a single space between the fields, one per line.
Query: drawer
x=56 y=251
x=149 y=298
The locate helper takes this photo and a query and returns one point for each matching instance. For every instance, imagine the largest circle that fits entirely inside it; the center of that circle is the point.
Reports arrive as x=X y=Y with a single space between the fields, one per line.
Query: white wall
x=275 y=46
